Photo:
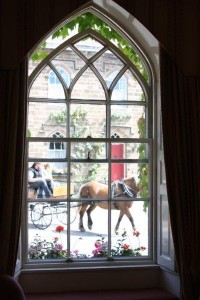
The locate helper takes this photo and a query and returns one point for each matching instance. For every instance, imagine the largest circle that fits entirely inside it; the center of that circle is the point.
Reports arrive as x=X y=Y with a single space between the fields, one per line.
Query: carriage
x=42 y=213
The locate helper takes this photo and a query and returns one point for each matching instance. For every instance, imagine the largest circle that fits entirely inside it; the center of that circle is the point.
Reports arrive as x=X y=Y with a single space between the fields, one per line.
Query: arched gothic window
x=100 y=143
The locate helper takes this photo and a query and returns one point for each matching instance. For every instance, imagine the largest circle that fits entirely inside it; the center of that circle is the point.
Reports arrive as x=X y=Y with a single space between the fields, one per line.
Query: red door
x=117 y=169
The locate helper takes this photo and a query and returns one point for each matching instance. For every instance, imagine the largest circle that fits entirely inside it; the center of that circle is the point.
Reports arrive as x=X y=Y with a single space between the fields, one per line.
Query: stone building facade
x=52 y=106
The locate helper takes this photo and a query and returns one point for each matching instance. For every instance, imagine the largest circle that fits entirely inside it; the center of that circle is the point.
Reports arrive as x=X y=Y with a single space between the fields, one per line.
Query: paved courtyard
x=84 y=241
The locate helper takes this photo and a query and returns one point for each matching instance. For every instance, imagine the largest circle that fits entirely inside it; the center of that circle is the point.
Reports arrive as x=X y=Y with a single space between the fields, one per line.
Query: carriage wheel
x=62 y=213
x=41 y=215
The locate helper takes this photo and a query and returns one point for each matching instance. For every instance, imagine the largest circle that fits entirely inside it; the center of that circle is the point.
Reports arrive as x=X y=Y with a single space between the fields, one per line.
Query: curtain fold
x=180 y=106
x=13 y=124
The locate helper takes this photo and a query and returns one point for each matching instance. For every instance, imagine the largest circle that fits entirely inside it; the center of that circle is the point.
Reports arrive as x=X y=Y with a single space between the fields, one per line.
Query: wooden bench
x=61 y=190
x=32 y=193
x=58 y=191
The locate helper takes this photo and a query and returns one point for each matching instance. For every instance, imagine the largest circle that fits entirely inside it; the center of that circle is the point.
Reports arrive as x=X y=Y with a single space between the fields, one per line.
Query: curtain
x=12 y=124
x=180 y=105
x=180 y=96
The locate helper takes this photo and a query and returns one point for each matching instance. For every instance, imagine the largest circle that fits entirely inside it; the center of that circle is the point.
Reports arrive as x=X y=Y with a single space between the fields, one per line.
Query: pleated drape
x=12 y=124
x=180 y=104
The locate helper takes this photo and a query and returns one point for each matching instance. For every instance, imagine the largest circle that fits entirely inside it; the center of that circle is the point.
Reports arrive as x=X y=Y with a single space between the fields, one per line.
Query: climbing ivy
x=88 y=20
x=58 y=118
x=142 y=167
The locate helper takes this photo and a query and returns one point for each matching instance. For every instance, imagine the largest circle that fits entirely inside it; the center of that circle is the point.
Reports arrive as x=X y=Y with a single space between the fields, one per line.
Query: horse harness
x=126 y=190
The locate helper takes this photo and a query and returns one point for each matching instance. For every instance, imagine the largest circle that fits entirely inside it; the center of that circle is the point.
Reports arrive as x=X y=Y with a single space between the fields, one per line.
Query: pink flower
x=142 y=248
x=95 y=252
x=76 y=252
x=59 y=247
x=136 y=233
x=100 y=248
x=97 y=244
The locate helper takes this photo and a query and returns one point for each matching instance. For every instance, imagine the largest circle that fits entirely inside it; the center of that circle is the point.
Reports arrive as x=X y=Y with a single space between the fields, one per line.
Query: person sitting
x=36 y=181
x=47 y=174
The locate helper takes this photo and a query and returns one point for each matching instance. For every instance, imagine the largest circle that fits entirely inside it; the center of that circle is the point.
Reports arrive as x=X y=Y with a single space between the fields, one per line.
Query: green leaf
x=88 y=20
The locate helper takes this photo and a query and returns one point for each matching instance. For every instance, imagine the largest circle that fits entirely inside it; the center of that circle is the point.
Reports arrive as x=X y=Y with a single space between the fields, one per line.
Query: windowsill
x=78 y=266
x=54 y=279
x=104 y=277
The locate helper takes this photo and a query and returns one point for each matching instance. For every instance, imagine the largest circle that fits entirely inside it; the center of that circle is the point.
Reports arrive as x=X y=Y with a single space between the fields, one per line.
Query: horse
x=120 y=190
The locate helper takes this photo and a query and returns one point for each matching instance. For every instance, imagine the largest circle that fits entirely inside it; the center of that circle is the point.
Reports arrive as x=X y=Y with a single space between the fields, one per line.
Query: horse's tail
x=77 y=196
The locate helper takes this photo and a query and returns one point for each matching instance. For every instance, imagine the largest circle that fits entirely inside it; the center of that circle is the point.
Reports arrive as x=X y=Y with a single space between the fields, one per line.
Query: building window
x=55 y=89
x=57 y=149
x=103 y=157
x=120 y=89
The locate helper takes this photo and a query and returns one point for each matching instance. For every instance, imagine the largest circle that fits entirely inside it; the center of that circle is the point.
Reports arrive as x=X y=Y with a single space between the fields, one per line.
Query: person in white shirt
x=47 y=174
x=37 y=181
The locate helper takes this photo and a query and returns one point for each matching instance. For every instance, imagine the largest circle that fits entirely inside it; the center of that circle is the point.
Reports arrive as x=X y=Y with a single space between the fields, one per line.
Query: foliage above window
x=89 y=20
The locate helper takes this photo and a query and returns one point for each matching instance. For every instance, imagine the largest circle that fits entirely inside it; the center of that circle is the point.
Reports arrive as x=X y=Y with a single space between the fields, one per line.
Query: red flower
x=136 y=233
x=126 y=247
x=59 y=228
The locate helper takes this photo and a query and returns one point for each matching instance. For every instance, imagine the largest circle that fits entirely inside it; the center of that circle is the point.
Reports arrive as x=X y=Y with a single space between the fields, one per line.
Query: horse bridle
x=127 y=190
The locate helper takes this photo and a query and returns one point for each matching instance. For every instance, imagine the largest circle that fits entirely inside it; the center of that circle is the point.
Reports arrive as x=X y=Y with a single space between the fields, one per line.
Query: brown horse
x=96 y=190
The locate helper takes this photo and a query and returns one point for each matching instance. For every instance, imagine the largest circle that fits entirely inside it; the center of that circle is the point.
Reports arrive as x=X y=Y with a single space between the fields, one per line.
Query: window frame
x=150 y=92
